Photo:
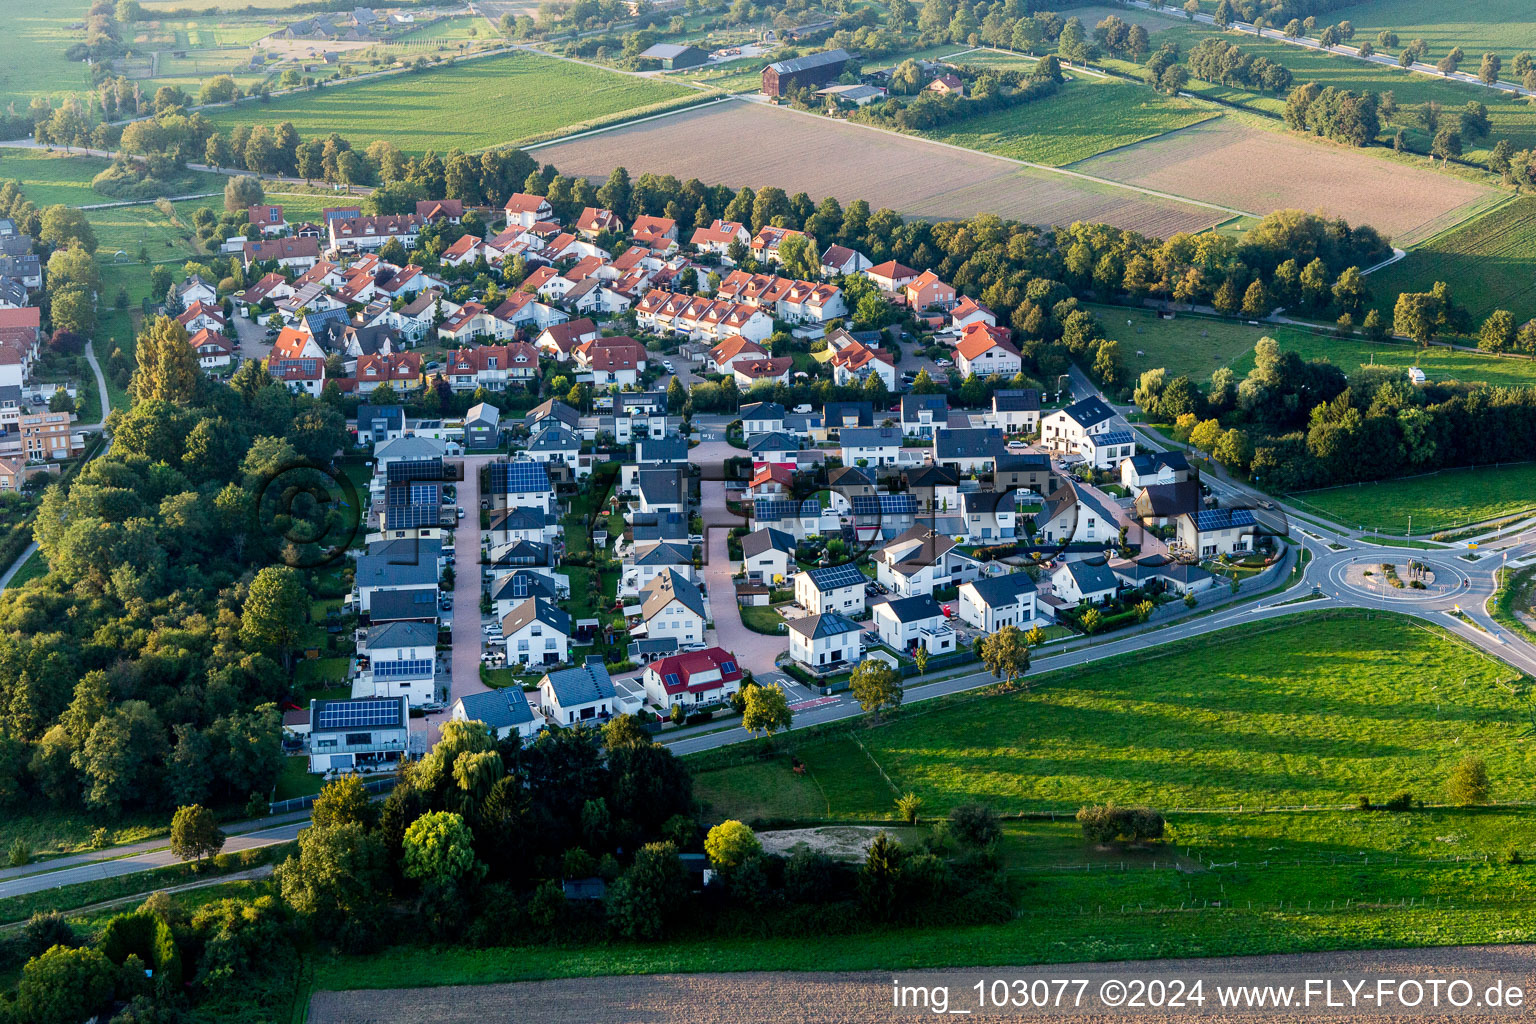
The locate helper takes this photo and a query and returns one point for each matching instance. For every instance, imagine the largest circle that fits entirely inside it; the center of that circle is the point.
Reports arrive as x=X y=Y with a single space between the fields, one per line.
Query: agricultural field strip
x=1343 y=49
x=1117 y=185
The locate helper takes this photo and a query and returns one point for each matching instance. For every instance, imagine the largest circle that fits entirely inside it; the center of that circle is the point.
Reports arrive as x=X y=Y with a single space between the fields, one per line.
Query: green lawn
x=520 y=98
x=1447 y=499
x=1302 y=712
x=1490 y=263
x=32 y=49
x=1087 y=117
x=296 y=781
x=1512 y=117
x=67 y=831
x=1501 y=26
x=1439 y=363
x=1187 y=345
x=33 y=568
x=762 y=620
x=51 y=177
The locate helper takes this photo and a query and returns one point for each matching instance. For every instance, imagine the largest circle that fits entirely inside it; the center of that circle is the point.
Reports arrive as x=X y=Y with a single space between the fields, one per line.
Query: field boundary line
x=622 y=124
x=1113 y=185
x=879 y=769
x=1475 y=213
x=1214 y=115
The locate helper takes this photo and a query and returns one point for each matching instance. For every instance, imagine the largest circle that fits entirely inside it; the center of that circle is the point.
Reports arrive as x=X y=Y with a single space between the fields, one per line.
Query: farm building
x=816 y=69
x=674 y=56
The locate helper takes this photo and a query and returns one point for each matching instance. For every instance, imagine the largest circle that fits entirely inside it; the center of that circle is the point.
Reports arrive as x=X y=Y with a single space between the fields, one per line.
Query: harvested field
x=801 y=152
x=1227 y=162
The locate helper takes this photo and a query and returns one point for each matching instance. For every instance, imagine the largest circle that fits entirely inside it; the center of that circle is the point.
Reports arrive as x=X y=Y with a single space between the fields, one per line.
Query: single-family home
x=482 y=426
x=824 y=642
x=581 y=694
x=968 y=311
x=672 y=605
x=594 y=221
x=213 y=349
x=267 y=219
x=891 y=277
x=833 y=588
x=640 y=414
x=926 y=291
x=921 y=560
x=1151 y=468
x=396 y=565
x=538 y=632
x=992 y=602
x=295 y=253
x=524 y=210
x=853 y=365
x=761 y=418
x=985 y=350
x=870 y=446
x=1016 y=410
x=345 y=735
x=922 y=414
x=717 y=238
x=558 y=341
x=910 y=623
x=693 y=678
x=766 y=555
x=402 y=660
x=774 y=447
x=725 y=354
x=654 y=232
x=1084 y=581
x=1108 y=449
x=504 y=711
x=1213 y=532
x=1064 y=429
x=748 y=372
x=839 y=260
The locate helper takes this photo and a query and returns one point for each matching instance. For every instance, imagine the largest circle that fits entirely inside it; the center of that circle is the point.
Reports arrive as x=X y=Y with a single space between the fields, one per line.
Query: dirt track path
x=868 y=996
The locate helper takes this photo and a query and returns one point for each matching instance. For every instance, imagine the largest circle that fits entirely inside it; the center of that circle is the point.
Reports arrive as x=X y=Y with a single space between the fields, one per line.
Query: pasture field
x=1511 y=115
x=1311 y=711
x=1087 y=117
x=1438 y=362
x=1235 y=164
x=1189 y=346
x=1452 y=497
x=1502 y=26
x=516 y=98
x=1490 y=263
x=32 y=60
x=1314 y=709
x=53 y=177
x=851 y=162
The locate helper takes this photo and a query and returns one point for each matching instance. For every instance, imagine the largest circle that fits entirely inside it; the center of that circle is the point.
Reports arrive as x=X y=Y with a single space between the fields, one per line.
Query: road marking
x=815 y=703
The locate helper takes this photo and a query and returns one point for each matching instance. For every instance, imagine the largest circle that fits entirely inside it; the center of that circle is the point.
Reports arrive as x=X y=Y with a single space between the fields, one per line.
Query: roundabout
x=1409 y=580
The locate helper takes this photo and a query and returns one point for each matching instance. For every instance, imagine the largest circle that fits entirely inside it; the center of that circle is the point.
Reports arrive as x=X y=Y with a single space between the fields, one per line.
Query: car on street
x=666 y=364
x=942 y=362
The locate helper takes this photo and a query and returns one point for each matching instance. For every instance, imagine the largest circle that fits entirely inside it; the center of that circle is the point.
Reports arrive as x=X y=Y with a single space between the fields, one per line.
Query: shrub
x=1105 y=823
x=1363 y=802
x=1469 y=783
x=1399 y=802
x=974 y=825
x=908 y=807
x=20 y=853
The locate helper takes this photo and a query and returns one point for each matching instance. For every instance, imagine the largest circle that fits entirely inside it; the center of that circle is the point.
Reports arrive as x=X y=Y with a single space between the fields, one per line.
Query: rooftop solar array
x=353 y=713
x=519 y=477
x=884 y=504
x=1222 y=518
x=414 y=469
x=403 y=669
x=771 y=510
x=412 y=517
x=835 y=576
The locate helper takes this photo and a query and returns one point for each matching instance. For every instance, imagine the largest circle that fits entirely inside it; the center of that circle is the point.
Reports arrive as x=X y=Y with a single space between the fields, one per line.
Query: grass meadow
x=1450 y=498
x=473 y=105
x=1501 y=26
x=32 y=49
x=1512 y=116
x=1087 y=117
x=1438 y=362
x=1490 y=263
x=1310 y=710
x=1189 y=346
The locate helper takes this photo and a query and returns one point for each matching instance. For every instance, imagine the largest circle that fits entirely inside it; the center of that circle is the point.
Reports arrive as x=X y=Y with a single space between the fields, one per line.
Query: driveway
x=467 y=637
x=754 y=651
x=254 y=343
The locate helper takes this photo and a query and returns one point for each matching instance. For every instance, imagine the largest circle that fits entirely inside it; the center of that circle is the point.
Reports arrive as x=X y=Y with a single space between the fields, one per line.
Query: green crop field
x=1501 y=26
x=1086 y=118
x=1309 y=712
x=1438 y=362
x=32 y=49
x=1452 y=497
x=1511 y=115
x=474 y=104
x=1490 y=263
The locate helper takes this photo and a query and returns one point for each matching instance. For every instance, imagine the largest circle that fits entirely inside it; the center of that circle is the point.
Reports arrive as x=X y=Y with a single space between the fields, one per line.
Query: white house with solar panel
x=1066 y=429
x=835 y=588
x=581 y=694
x=824 y=642
x=799 y=519
x=358 y=735
x=504 y=712
x=402 y=661
x=537 y=632
x=1213 y=532
x=1107 y=450
x=521 y=483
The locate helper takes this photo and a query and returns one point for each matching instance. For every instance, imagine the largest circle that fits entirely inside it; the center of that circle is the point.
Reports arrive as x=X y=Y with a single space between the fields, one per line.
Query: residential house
x=654 y=232
x=640 y=414
x=616 y=360
x=402 y=660
x=968 y=449
x=989 y=516
x=725 y=354
x=594 y=221
x=799 y=519
x=1151 y=468
x=294 y=253
x=968 y=311
x=699 y=319
x=214 y=351
x=834 y=588
x=936 y=489
x=693 y=679
x=195 y=289
x=202 y=316
x=910 y=623
x=837 y=415
x=662 y=489
x=870 y=446
x=524 y=210
x=482 y=426
x=558 y=341
x=1160 y=573
x=521 y=483
x=1213 y=532
x=847 y=483
x=538 y=632
x=992 y=602
x=396 y=565
x=378 y=423
x=774 y=447
x=824 y=643
x=493 y=367
x=366 y=234
x=855 y=363
x=839 y=260
x=717 y=238
x=921 y=560
x=1016 y=410
x=1065 y=429
x=1108 y=449
x=512 y=589
x=347 y=735
x=581 y=694
x=48 y=435
x=748 y=372
x=267 y=219
x=673 y=606
x=1084 y=581
x=766 y=555
x=771 y=480
x=765 y=244
x=985 y=350
x=946 y=85
x=402 y=371
x=653 y=558
x=761 y=418
x=921 y=415
x=450 y=210
x=504 y=711
x=891 y=277
x=1077 y=516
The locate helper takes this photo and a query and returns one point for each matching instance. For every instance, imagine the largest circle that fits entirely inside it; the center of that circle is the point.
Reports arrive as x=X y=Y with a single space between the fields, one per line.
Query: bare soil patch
x=753 y=144
x=1225 y=161
x=867 y=996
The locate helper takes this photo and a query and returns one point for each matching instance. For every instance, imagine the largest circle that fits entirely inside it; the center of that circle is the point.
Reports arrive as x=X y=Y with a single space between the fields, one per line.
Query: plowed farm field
x=740 y=143
x=1227 y=162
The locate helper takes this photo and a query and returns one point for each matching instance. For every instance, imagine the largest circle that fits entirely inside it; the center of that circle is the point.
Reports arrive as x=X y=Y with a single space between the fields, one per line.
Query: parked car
x=942 y=362
x=666 y=364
